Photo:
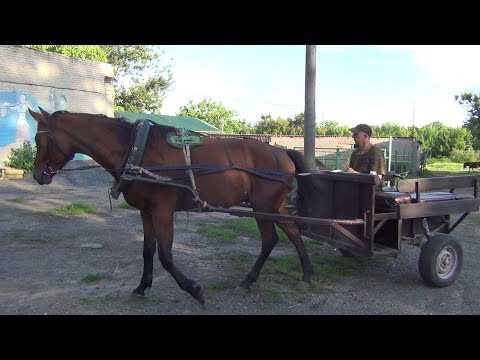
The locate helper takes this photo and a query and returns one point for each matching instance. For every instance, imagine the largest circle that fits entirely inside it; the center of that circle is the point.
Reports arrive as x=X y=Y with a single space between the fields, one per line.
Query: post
x=309 y=136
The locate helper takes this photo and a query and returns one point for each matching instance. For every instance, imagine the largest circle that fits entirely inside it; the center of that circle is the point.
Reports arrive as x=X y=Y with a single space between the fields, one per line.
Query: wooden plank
x=439 y=183
x=436 y=208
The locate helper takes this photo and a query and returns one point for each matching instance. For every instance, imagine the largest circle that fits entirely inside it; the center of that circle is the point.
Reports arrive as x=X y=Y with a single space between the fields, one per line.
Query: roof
x=183 y=122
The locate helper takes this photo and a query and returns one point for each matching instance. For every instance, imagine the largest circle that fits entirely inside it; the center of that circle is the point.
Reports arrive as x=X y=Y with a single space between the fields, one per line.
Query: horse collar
x=135 y=154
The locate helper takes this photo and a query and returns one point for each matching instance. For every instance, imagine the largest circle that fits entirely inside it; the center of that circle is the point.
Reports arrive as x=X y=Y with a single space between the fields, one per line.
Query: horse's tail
x=298 y=160
x=304 y=184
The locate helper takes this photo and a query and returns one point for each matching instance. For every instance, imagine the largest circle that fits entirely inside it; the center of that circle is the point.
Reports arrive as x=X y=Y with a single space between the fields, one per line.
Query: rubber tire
x=440 y=247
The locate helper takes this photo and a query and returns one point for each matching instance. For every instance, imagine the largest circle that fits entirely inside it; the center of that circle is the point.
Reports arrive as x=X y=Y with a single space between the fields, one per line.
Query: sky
x=374 y=84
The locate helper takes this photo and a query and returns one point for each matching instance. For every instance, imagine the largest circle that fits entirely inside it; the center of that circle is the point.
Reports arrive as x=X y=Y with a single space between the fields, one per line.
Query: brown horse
x=471 y=165
x=107 y=140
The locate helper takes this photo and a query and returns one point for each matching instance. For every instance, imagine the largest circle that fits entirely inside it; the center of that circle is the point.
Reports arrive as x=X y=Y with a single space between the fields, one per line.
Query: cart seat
x=388 y=200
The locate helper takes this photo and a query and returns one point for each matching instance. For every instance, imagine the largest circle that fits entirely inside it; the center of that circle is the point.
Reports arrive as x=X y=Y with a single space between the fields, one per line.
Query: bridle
x=48 y=171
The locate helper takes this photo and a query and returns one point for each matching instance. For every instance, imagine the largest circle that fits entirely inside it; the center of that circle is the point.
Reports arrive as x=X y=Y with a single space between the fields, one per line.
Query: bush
x=462 y=156
x=22 y=158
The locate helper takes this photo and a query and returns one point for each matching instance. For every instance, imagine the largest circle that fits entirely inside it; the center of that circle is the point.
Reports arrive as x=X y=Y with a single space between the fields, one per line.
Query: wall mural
x=16 y=123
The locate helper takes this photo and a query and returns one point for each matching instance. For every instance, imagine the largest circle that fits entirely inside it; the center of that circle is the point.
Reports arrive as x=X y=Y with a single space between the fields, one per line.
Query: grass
x=91 y=278
x=16 y=234
x=445 y=166
x=20 y=199
x=24 y=235
x=329 y=269
x=221 y=285
x=125 y=205
x=217 y=232
x=226 y=233
x=75 y=209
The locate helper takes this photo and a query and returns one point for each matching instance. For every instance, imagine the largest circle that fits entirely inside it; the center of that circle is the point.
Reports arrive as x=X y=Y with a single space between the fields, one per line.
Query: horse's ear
x=46 y=114
x=38 y=117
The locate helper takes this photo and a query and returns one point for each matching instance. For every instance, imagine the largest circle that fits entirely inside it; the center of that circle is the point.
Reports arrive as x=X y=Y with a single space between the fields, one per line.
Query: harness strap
x=135 y=155
x=227 y=152
x=188 y=161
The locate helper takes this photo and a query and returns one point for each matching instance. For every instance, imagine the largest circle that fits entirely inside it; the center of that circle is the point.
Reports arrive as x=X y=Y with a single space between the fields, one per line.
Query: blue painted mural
x=16 y=123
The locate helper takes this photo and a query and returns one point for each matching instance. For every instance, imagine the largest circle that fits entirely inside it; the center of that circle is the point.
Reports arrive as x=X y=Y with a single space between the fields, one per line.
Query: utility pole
x=309 y=137
x=413 y=120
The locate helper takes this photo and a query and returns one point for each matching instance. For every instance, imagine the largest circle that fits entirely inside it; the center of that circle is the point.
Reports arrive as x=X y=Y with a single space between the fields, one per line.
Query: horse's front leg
x=148 y=254
x=163 y=226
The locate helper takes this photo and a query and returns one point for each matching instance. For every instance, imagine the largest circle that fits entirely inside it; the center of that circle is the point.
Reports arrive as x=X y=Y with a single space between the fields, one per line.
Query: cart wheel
x=440 y=260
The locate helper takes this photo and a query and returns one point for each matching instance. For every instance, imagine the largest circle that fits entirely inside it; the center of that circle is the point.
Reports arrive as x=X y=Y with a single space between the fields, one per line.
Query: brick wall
x=51 y=81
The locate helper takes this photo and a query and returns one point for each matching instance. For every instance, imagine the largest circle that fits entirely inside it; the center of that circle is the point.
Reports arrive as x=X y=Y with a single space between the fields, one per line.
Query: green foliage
x=270 y=126
x=462 y=156
x=440 y=139
x=471 y=102
x=390 y=129
x=216 y=114
x=331 y=128
x=141 y=78
x=476 y=144
x=87 y=52
x=22 y=158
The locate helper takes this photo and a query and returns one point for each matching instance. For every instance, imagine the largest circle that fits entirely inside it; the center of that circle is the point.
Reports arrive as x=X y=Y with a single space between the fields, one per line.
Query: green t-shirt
x=372 y=160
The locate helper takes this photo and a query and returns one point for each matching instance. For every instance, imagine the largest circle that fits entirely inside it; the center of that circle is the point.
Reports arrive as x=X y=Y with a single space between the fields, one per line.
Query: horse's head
x=52 y=149
x=465 y=165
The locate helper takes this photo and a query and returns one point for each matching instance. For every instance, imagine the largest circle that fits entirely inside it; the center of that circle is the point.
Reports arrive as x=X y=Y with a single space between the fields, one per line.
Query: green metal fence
x=337 y=158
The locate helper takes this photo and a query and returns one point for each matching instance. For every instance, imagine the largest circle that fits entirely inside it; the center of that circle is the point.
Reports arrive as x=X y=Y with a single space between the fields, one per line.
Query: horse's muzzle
x=43 y=178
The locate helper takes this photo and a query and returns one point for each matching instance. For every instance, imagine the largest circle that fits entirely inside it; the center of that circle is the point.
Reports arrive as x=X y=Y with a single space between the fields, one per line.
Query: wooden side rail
x=424 y=185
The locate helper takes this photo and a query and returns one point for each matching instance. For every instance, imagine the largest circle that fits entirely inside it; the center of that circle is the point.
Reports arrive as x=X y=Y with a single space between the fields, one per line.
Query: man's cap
x=362 y=128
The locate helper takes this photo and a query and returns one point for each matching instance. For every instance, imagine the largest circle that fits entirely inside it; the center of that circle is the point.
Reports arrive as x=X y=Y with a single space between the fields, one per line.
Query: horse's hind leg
x=269 y=239
x=163 y=225
x=148 y=254
x=293 y=233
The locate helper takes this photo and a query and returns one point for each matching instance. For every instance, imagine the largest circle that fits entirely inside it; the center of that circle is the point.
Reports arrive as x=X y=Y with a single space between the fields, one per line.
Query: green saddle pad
x=185 y=137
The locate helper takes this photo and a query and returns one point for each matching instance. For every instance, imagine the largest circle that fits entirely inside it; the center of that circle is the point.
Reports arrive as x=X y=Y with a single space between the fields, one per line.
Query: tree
x=87 y=52
x=332 y=128
x=270 y=126
x=216 y=114
x=390 y=129
x=441 y=140
x=141 y=81
x=472 y=104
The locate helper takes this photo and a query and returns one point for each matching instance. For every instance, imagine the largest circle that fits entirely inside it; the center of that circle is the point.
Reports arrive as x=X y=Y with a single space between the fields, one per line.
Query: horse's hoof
x=240 y=289
x=139 y=292
x=305 y=284
x=197 y=293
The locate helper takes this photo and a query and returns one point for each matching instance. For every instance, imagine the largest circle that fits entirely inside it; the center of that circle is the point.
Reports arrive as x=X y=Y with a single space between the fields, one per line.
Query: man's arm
x=378 y=164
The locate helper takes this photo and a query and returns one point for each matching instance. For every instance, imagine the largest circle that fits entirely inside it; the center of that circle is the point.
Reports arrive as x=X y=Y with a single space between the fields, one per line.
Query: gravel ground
x=43 y=264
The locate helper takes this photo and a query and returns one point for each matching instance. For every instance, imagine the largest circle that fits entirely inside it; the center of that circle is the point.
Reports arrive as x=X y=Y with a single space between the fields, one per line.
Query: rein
x=48 y=171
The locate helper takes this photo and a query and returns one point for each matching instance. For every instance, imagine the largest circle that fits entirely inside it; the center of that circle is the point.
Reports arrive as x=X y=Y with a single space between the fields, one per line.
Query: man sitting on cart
x=366 y=158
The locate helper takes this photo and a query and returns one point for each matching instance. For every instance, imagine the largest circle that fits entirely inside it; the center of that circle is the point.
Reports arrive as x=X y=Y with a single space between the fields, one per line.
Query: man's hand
x=350 y=170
